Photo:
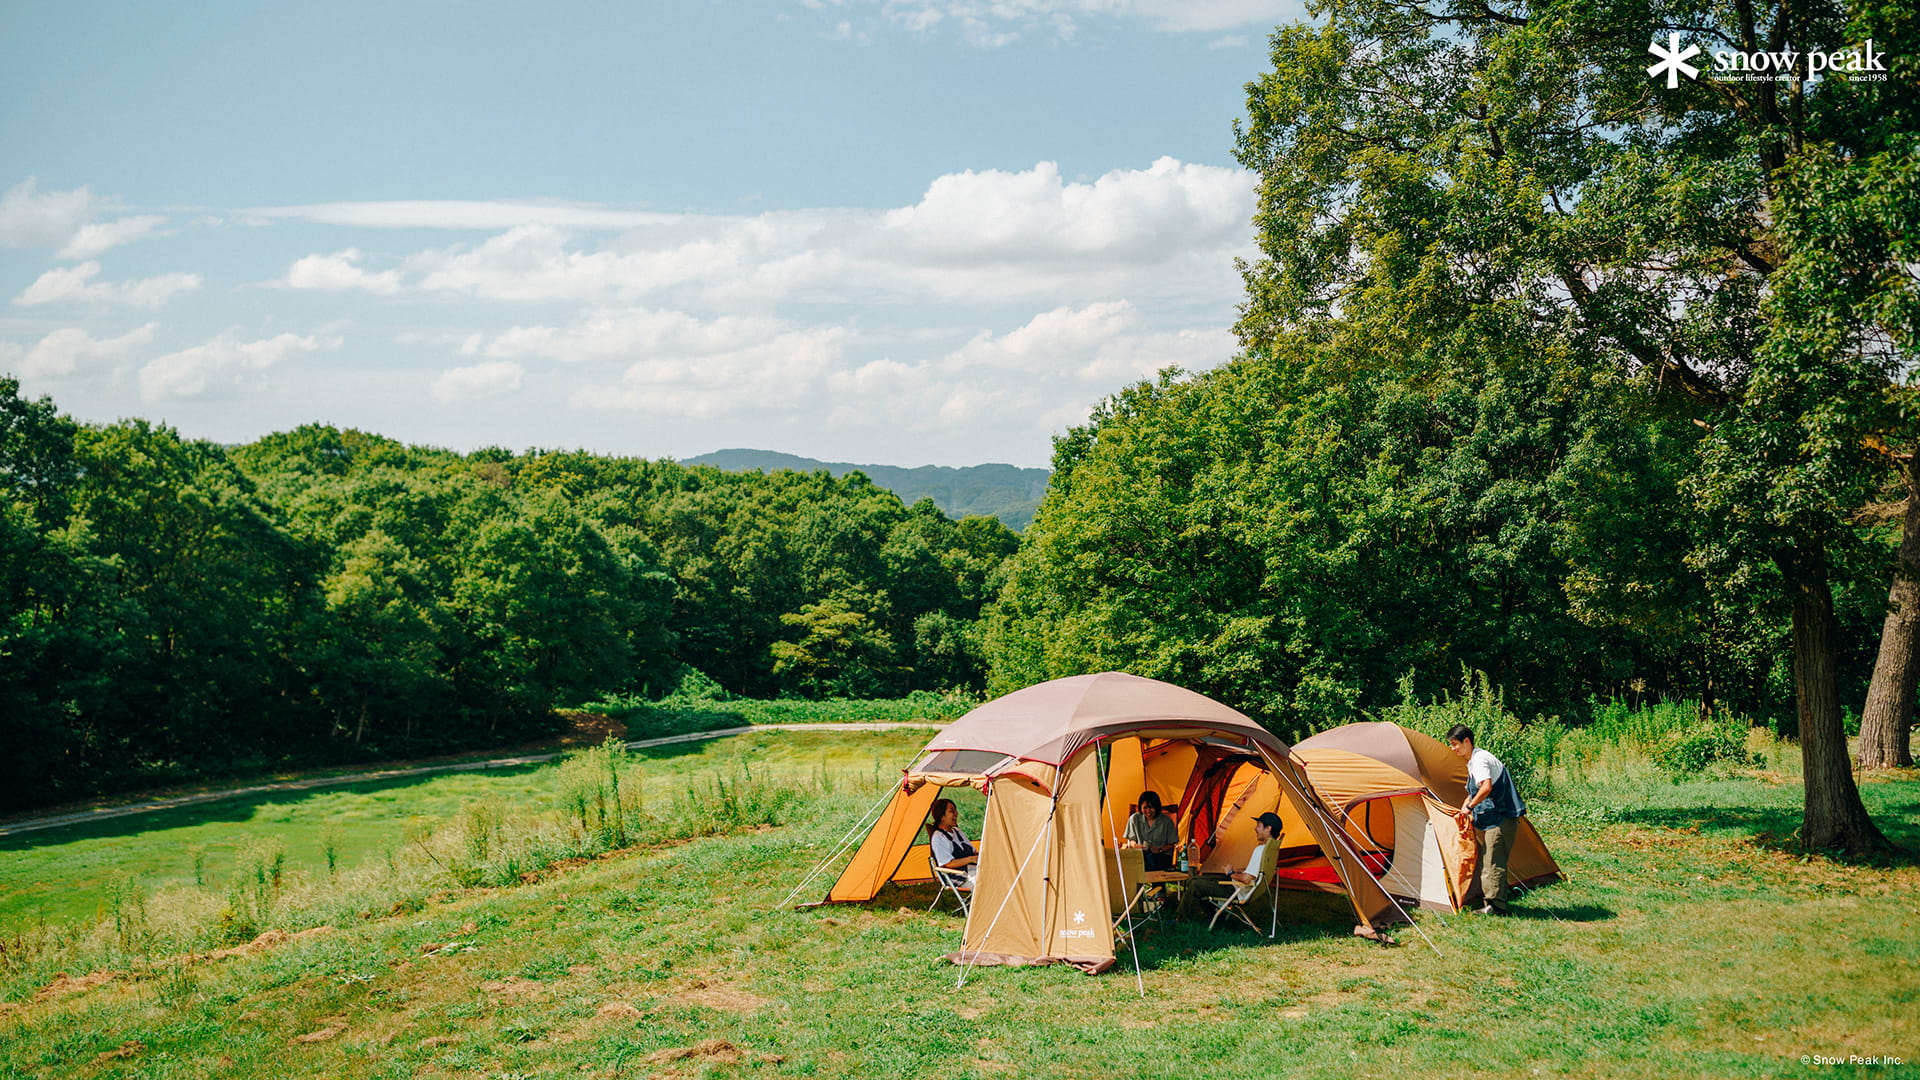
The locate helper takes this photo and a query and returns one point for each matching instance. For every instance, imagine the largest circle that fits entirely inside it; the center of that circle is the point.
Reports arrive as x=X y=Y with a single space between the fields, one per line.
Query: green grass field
x=64 y=874
x=1691 y=940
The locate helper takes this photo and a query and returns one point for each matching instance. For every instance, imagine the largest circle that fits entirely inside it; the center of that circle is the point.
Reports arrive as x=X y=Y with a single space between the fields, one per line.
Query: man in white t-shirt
x=1493 y=802
x=1240 y=883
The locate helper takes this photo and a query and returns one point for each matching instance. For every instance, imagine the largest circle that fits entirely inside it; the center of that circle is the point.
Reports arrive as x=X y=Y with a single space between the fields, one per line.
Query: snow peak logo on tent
x=1785 y=65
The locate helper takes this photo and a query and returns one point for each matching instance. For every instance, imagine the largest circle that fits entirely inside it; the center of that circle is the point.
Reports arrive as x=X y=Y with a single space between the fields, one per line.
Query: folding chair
x=1248 y=895
x=952 y=882
x=1130 y=892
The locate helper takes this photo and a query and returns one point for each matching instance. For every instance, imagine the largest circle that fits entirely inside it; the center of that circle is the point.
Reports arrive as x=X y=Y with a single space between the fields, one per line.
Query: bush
x=1706 y=745
x=1527 y=750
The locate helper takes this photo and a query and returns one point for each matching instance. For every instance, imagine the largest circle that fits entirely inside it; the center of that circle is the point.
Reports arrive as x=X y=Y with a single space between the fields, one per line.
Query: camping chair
x=952 y=881
x=1128 y=886
x=1248 y=895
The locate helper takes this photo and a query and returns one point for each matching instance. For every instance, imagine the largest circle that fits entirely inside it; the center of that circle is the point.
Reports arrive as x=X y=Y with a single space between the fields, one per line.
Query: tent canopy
x=1395 y=789
x=1047 y=722
x=1056 y=807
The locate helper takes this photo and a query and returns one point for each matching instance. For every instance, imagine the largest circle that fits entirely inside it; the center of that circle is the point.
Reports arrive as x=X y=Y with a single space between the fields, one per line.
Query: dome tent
x=1060 y=763
x=1395 y=790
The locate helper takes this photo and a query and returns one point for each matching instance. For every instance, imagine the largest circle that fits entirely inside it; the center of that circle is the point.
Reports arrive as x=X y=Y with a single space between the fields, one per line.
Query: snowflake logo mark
x=1079 y=917
x=1673 y=62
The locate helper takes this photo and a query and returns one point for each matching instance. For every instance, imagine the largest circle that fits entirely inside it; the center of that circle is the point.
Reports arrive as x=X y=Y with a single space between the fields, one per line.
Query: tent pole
x=845 y=842
x=1045 y=832
x=1120 y=875
x=1340 y=838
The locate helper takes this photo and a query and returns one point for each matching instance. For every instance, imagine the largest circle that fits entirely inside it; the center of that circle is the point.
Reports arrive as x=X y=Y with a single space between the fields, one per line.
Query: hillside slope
x=1004 y=491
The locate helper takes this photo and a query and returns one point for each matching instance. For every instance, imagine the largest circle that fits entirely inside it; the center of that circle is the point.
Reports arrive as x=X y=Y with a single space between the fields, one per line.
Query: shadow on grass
x=1778 y=829
x=1573 y=913
x=1304 y=918
x=240 y=808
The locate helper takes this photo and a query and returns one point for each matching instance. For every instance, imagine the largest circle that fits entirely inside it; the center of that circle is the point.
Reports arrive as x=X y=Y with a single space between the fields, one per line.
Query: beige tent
x=1395 y=790
x=1060 y=764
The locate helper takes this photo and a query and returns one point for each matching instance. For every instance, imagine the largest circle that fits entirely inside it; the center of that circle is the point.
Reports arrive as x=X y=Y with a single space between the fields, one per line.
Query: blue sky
x=906 y=232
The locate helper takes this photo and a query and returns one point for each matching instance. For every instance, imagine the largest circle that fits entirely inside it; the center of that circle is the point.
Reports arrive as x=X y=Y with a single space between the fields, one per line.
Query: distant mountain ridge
x=1003 y=491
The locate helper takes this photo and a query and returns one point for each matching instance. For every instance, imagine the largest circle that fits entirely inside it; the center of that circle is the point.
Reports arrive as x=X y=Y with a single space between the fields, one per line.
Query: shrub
x=1706 y=745
x=1527 y=750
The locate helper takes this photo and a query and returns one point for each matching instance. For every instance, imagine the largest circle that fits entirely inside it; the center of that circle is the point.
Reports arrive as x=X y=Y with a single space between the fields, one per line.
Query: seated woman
x=950 y=847
x=1152 y=831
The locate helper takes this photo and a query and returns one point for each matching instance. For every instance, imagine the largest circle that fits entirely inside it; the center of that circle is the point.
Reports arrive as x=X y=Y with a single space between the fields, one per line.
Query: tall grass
x=1671 y=740
x=599 y=806
x=1526 y=749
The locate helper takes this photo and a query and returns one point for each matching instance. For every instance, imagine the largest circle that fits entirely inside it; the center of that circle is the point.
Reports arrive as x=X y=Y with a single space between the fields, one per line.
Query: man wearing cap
x=1240 y=883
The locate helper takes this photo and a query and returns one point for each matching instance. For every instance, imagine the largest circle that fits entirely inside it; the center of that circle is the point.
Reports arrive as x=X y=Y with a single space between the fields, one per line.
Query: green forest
x=1547 y=371
x=175 y=608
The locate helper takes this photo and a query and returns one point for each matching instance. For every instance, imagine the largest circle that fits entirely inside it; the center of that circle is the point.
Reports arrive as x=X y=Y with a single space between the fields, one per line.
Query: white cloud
x=1146 y=215
x=1228 y=41
x=974 y=236
x=68 y=284
x=1137 y=356
x=221 y=367
x=992 y=23
x=630 y=333
x=1050 y=341
x=66 y=351
x=489 y=379
x=64 y=219
x=778 y=373
x=461 y=214
x=29 y=218
x=339 y=272
x=94 y=239
x=536 y=262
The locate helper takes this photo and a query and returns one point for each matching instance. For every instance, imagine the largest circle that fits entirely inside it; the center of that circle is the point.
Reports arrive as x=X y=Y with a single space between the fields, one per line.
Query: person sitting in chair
x=1153 y=832
x=950 y=847
x=1240 y=883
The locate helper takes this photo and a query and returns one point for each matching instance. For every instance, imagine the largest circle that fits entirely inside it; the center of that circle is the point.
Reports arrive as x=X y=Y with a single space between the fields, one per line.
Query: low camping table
x=1176 y=880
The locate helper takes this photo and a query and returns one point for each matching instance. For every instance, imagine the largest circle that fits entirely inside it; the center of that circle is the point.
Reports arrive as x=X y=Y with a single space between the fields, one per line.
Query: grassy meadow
x=620 y=915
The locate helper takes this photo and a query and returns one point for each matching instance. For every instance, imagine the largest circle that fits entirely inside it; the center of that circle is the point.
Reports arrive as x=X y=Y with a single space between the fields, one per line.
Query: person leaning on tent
x=1495 y=807
x=1241 y=882
x=950 y=846
x=1152 y=831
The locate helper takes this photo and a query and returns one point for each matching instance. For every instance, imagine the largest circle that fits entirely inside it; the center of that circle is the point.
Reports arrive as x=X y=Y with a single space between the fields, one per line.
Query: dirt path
x=106 y=812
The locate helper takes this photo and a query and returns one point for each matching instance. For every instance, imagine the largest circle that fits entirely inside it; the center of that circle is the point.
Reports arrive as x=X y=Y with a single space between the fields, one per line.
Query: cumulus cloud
x=993 y=23
x=1049 y=340
x=339 y=272
x=1136 y=356
x=781 y=372
x=30 y=218
x=629 y=333
x=221 y=367
x=69 y=350
x=1143 y=214
x=76 y=284
x=538 y=262
x=489 y=379
x=988 y=236
x=470 y=215
x=94 y=239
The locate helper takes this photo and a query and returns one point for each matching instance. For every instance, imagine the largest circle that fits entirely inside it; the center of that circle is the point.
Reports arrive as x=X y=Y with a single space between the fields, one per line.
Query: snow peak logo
x=1865 y=63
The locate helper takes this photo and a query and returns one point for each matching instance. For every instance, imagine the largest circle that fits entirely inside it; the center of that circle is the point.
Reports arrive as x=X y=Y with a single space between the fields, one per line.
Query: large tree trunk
x=1835 y=818
x=1888 y=715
